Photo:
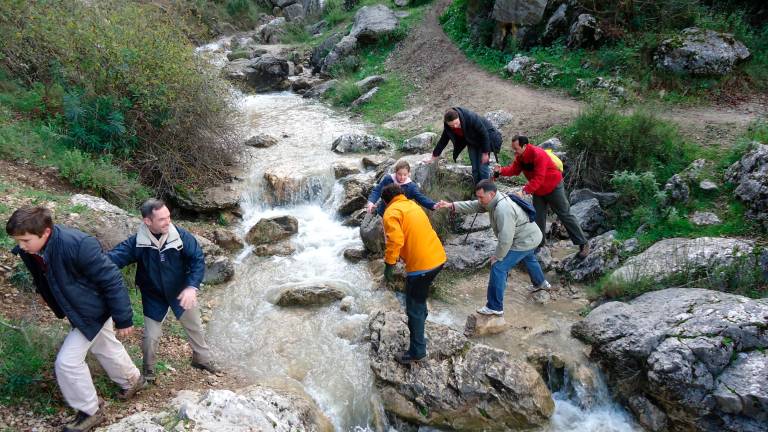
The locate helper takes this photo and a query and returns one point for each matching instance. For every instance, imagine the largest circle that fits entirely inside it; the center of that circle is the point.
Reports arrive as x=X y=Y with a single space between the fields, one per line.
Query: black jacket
x=478 y=133
x=81 y=282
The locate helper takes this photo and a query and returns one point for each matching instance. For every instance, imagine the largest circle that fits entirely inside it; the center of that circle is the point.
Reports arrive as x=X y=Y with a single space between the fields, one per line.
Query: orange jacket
x=410 y=236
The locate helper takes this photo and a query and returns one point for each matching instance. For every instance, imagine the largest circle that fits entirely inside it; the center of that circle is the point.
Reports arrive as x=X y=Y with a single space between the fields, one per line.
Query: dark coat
x=161 y=275
x=479 y=133
x=410 y=190
x=81 y=283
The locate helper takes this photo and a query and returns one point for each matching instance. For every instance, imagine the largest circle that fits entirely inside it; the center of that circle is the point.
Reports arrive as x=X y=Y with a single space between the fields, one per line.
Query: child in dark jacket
x=402 y=178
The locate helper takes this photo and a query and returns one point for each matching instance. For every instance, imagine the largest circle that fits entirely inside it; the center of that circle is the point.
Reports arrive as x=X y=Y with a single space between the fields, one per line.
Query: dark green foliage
x=26 y=360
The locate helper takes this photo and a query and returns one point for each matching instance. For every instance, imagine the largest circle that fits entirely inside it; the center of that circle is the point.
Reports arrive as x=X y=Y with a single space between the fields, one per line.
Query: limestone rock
x=343 y=169
x=372 y=234
x=750 y=175
x=605 y=199
x=483 y=325
x=211 y=200
x=700 y=52
x=305 y=294
x=227 y=240
x=499 y=118
x=373 y=23
x=590 y=215
x=356 y=191
x=283 y=248
x=585 y=33
x=261 y=141
x=370 y=82
x=472 y=254
x=352 y=142
x=603 y=256
x=365 y=98
x=420 y=143
x=705 y=218
x=270 y=230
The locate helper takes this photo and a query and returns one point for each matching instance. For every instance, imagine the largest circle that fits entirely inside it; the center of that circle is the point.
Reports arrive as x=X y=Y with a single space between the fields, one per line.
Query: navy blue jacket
x=161 y=275
x=479 y=133
x=81 y=283
x=410 y=190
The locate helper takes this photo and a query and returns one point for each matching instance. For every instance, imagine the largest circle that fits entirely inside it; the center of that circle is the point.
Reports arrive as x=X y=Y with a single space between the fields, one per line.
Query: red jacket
x=541 y=172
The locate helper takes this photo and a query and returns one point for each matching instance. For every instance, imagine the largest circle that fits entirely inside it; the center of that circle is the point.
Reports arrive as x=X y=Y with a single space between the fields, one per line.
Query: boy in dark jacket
x=465 y=128
x=402 y=178
x=79 y=282
x=170 y=269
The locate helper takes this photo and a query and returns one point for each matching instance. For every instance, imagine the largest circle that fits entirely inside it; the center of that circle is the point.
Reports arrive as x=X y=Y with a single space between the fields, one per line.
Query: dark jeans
x=480 y=171
x=416 y=293
x=558 y=201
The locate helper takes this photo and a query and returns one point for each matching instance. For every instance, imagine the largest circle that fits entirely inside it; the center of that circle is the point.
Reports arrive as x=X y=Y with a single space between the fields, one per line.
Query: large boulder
x=273 y=31
x=227 y=240
x=320 y=89
x=590 y=215
x=682 y=255
x=261 y=141
x=308 y=294
x=695 y=354
x=527 y=12
x=272 y=229
x=460 y=386
x=108 y=223
x=211 y=200
x=603 y=257
x=557 y=24
x=499 y=118
x=750 y=175
x=355 y=143
x=585 y=33
x=606 y=199
x=370 y=82
x=420 y=143
x=365 y=98
x=343 y=49
x=219 y=267
x=470 y=252
x=355 y=196
x=372 y=234
x=676 y=190
x=286 y=186
x=373 y=23
x=294 y=12
x=318 y=54
x=540 y=73
x=700 y=52
x=268 y=73
x=283 y=408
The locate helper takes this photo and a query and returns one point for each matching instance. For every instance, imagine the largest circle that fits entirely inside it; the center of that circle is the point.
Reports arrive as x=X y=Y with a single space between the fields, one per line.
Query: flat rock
x=483 y=325
x=705 y=218
x=306 y=294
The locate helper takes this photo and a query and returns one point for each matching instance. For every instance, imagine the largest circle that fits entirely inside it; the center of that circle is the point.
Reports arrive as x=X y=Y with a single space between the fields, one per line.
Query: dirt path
x=444 y=77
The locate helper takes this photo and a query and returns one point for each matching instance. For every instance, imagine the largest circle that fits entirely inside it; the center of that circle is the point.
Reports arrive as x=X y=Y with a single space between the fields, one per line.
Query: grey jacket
x=509 y=222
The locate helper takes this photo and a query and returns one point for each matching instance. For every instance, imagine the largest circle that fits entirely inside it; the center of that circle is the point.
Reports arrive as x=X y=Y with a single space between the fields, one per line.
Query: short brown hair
x=29 y=220
x=402 y=164
x=148 y=208
x=522 y=140
x=450 y=115
x=390 y=191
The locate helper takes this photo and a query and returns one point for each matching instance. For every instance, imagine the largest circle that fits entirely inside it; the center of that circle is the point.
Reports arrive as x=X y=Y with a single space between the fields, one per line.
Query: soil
x=444 y=77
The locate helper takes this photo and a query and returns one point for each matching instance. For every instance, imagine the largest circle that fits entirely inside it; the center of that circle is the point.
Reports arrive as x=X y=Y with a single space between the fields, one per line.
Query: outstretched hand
x=188 y=298
x=443 y=204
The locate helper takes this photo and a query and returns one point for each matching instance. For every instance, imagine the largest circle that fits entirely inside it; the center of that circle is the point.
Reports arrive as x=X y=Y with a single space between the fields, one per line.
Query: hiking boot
x=487 y=311
x=406 y=358
x=149 y=374
x=544 y=286
x=84 y=422
x=207 y=366
x=138 y=385
x=583 y=251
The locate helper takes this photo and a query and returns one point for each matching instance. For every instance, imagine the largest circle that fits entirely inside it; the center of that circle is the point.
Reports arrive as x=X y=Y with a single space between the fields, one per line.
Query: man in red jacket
x=545 y=183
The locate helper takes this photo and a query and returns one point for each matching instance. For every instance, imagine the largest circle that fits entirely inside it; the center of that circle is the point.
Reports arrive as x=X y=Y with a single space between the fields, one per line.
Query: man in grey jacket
x=518 y=238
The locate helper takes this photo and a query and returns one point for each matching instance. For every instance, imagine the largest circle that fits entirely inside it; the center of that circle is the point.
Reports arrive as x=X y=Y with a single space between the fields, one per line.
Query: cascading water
x=319 y=348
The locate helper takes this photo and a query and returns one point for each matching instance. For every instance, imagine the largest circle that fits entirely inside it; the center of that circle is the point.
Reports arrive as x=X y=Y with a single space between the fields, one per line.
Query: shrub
x=601 y=141
x=635 y=188
x=28 y=355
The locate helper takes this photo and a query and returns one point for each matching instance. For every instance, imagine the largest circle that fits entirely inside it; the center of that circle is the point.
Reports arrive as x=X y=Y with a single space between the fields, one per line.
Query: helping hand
x=443 y=204
x=121 y=333
x=188 y=298
x=370 y=206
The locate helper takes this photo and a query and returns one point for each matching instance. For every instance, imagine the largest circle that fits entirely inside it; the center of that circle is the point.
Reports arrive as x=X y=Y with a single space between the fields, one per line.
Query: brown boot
x=208 y=366
x=584 y=250
x=138 y=385
x=84 y=422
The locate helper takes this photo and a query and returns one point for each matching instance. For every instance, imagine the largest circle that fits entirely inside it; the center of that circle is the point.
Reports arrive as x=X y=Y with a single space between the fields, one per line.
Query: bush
x=27 y=359
x=601 y=141
x=133 y=85
x=635 y=188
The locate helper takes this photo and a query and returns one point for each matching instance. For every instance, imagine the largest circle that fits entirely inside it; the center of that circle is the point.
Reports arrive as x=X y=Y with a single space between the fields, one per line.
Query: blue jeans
x=479 y=171
x=416 y=293
x=498 y=280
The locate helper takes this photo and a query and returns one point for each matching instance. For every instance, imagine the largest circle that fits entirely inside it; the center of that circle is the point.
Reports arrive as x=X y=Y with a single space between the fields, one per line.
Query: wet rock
x=370 y=82
x=219 y=268
x=373 y=23
x=420 y=143
x=356 y=191
x=273 y=31
x=483 y=325
x=347 y=303
x=677 y=189
x=461 y=385
x=211 y=200
x=227 y=240
x=283 y=248
x=365 y=98
x=648 y=415
x=691 y=351
x=285 y=186
x=372 y=162
x=343 y=49
x=345 y=168
x=682 y=255
x=553 y=143
x=590 y=215
x=356 y=218
x=517 y=12
x=606 y=199
x=499 y=118
x=270 y=230
x=603 y=256
x=304 y=294
x=261 y=141
x=472 y=254
x=352 y=143
x=471 y=224
x=544 y=257
x=750 y=175
x=700 y=52
x=268 y=73
x=372 y=234
x=541 y=296
x=320 y=89
x=704 y=218
x=585 y=33
x=355 y=255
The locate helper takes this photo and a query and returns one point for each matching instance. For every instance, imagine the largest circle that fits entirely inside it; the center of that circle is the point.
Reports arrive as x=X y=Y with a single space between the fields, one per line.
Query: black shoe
x=406 y=358
x=140 y=384
x=149 y=374
x=84 y=422
x=207 y=366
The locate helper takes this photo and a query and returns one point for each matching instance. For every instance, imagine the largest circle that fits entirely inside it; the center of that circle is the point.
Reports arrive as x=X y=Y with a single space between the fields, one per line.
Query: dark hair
x=390 y=191
x=450 y=115
x=29 y=220
x=150 y=206
x=486 y=185
x=521 y=139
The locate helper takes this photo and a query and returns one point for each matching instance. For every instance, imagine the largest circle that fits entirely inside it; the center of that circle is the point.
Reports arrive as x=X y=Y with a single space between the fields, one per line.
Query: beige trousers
x=72 y=371
x=193 y=326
